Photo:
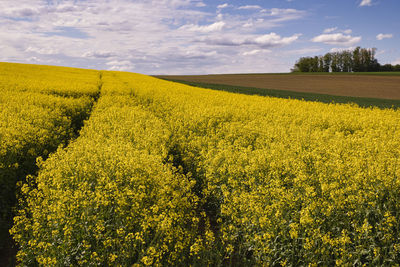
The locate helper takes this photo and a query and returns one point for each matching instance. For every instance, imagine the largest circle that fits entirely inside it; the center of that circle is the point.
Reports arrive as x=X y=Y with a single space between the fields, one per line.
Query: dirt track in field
x=373 y=86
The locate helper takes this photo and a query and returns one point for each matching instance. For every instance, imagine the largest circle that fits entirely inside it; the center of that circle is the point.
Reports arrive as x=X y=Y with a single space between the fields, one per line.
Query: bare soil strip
x=373 y=86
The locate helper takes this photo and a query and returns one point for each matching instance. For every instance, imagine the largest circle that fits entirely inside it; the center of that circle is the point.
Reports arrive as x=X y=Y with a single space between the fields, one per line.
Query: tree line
x=357 y=60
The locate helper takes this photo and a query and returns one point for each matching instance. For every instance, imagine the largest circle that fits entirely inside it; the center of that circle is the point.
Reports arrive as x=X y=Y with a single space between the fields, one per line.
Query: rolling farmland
x=368 y=85
x=134 y=170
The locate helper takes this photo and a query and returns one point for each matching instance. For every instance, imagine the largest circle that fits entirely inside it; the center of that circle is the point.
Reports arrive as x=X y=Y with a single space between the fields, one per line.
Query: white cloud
x=200 y=4
x=281 y=11
x=329 y=30
x=273 y=40
x=337 y=39
x=281 y=15
x=223 y=6
x=250 y=7
x=120 y=65
x=193 y=53
x=382 y=36
x=336 y=29
x=42 y=51
x=248 y=24
x=338 y=49
x=99 y=54
x=33 y=59
x=396 y=62
x=263 y=41
x=251 y=53
x=366 y=3
x=256 y=52
x=217 y=26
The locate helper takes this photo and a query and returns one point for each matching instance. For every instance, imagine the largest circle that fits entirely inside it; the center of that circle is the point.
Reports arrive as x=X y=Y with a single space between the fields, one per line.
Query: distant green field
x=360 y=101
x=381 y=73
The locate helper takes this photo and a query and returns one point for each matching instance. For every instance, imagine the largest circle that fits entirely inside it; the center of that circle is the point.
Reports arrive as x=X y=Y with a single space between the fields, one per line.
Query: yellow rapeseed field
x=167 y=174
x=40 y=108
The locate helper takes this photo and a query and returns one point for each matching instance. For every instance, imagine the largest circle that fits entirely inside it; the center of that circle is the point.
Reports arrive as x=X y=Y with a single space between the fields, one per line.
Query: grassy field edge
x=324 y=98
x=377 y=73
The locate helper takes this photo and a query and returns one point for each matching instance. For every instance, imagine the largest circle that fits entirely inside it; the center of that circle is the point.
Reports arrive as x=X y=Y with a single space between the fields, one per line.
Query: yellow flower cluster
x=110 y=198
x=286 y=181
x=168 y=174
x=35 y=118
x=49 y=80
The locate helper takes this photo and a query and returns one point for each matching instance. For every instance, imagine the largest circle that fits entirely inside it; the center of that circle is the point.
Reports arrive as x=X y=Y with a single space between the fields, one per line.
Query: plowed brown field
x=374 y=86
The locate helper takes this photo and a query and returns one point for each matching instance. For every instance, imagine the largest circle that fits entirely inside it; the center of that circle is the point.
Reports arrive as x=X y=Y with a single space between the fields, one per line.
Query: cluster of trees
x=389 y=67
x=357 y=60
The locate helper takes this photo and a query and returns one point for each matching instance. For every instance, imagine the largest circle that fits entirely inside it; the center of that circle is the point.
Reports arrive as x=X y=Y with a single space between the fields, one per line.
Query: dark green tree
x=359 y=59
x=327 y=62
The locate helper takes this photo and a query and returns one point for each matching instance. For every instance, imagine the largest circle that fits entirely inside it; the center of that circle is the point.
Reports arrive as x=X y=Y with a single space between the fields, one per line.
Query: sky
x=193 y=36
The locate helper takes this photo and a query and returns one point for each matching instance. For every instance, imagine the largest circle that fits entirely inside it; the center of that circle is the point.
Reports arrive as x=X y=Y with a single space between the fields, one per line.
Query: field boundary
x=324 y=98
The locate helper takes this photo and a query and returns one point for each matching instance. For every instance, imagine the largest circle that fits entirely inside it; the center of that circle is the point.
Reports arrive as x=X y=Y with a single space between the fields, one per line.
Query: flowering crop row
x=34 y=122
x=168 y=174
x=110 y=197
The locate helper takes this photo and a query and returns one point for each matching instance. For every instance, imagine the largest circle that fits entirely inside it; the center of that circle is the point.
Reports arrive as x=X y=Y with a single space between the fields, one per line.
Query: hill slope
x=375 y=85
